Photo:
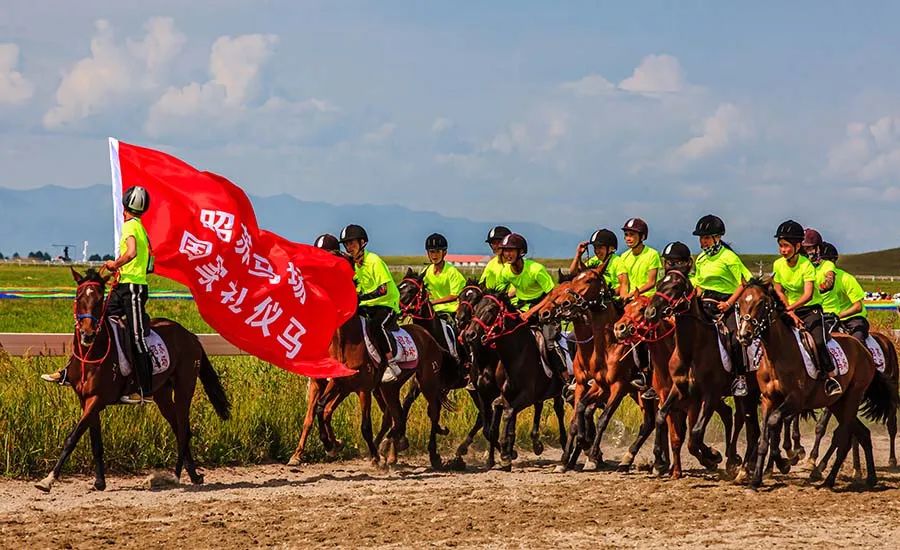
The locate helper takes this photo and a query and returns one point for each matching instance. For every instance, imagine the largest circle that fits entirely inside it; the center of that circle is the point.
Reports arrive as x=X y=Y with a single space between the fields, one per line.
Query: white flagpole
x=116 y=192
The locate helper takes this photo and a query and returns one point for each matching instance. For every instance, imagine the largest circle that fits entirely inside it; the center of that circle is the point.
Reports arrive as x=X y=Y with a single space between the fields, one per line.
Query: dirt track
x=354 y=504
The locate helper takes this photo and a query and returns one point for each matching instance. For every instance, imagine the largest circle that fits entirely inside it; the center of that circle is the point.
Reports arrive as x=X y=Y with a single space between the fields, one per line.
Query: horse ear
x=75 y=275
x=409 y=273
x=768 y=281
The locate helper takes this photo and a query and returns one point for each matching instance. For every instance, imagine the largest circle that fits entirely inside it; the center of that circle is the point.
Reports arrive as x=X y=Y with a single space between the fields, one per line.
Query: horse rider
x=328 y=242
x=128 y=299
x=843 y=304
x=379 y=298
x=605 y=244
x=642 y=266
x=720 y=275
x=530 y=282
x=491 y=274
x=812 y=246
x=443 y=281
x=794 y=281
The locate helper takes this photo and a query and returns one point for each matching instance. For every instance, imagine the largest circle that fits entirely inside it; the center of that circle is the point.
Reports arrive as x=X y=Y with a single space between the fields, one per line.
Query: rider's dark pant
x=735 y=349
x=550 y=331
x=128 y=301
x=858 y=327
x=382 y=321
x=812 y=317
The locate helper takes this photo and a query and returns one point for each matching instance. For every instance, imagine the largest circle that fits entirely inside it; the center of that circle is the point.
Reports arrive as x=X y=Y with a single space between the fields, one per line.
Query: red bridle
x=82 y=355
x=643 y=330
x=495 y=330
x=420 y=308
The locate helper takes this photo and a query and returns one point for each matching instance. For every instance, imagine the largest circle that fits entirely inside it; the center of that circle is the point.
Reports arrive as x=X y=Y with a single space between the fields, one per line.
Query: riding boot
x=144 y=371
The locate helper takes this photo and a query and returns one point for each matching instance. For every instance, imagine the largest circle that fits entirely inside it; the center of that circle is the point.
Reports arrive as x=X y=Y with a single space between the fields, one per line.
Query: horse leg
x=385 y=418
x=787 y=443
x=327 y=413
x=821 y=427
x=365 y=409
x=595 y=456
x=536 y=444
x=97 y=450
x=182 y=402
x=892 y=434
x=857 y=467
x=677 y=431
x=771 y=419
x=732 y=457
x=799 y=451
x=864 y=438
x=841 y=439
x=751 y=419
x=463 y=448
x=494 y=433
x=647 y=425
x=90 y=409
x=507 y=417
x=164 y=399
x=661 y=459
x=559 y=410
x=695 y=441
x=434 y=414
x=392 y=443
x=314 y=389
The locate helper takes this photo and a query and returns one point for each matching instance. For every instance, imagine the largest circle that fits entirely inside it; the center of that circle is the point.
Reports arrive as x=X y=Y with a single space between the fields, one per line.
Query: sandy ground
x=354 y=504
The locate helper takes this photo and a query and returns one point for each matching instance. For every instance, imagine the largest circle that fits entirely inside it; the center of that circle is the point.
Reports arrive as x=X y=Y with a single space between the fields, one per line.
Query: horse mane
x=563 y=277
x=763 y=283
x=93 y=276
x=501 y=295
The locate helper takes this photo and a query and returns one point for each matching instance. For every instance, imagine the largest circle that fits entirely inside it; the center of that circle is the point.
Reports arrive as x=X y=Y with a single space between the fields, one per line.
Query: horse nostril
x=567 y=303
x=545 y=315
x=650 y=313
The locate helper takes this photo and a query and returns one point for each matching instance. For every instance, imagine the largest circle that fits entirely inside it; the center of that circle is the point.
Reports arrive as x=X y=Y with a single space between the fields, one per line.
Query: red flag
x=276 y=299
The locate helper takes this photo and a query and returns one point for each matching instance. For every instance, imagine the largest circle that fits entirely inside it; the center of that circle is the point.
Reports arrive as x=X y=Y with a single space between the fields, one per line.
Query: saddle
x=727 y=342
x=405 y=352
x=562 y=345
x=159 y=353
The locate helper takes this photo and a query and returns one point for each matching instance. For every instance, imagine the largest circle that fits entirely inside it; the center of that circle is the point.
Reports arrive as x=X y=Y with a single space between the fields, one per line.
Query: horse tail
x=212 y=385
x=881 y=398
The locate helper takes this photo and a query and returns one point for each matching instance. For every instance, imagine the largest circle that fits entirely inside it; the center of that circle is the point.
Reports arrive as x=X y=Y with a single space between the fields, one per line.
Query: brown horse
x=93 y=371
x=601 y=378
x=348 y=346
x=890 y=375
x=520 y=376
x=698 y=372
x=787 y=389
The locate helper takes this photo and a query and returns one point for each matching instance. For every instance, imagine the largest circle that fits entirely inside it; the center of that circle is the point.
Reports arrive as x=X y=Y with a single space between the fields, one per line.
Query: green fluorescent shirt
x=449 y=282
x=720 y=273
x=370 y=275
x=532 y=283
x=135 y=271
x=845 y=293
x=490 y=277
x=793 y=279
x=638 y=267
x=822 y=269
x=614 y=268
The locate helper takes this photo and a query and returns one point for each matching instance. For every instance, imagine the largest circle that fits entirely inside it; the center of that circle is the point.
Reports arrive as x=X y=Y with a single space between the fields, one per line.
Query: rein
x=495 y=330
x=420 y=302
x=81 y=354
x=644 y=331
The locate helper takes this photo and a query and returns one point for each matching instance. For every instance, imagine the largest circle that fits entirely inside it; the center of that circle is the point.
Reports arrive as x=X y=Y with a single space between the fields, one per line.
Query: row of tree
x=42 y=256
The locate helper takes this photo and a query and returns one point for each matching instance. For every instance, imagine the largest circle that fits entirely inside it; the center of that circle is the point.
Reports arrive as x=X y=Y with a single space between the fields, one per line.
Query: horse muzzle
x=623 y=331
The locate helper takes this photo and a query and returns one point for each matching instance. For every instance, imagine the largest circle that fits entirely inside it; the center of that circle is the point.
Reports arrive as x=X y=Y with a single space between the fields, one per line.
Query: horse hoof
x=503 y=467
x=538 y=448
x=375 y=461
x=623 y=468
x=892 y=464
x=515 y=454
x=784 y=466
x=100 y=485
x=741 y=476
x=560 y=469
x=402 y=444
x=294 y=461
x=462 y=450
x=456 y=464
x=811 y=462
x=589 y=466
x=801 y=453
x=383 y=448
x=857 y=475
x=627 y=460
x=443 y=431
x=197 y=479
x=815 y=474
x=871 y=481
x=46 y=484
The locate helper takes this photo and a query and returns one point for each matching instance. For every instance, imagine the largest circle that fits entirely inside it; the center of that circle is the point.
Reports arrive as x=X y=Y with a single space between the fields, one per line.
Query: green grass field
x=268 y=403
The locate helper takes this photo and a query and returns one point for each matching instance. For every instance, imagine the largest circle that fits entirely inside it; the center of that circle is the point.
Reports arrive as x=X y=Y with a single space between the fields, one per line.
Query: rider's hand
x=110 y=265
x=796 y=319
x=582 y=247
x=723 y=306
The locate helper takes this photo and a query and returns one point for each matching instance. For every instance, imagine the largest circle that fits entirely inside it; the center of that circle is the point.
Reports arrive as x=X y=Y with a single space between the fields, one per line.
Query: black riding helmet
x=436 y=241
x=676 y=251
x=828 y=252
x=516 y=241
x=790 y=231
x=497 y=233
x=327 y=241
x=604 y=237
x=353 y=232
x=708 y=226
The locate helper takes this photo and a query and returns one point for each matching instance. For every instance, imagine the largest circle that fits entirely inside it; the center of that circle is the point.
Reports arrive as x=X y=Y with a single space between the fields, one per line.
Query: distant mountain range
x=36 y=219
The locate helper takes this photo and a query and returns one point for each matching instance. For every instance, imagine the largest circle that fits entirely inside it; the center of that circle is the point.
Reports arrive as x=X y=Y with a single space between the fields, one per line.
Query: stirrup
x=833 y=387
x=58 y=377
x=650 y=395
x=134 y=398
x=391 y=373
x=640 y=382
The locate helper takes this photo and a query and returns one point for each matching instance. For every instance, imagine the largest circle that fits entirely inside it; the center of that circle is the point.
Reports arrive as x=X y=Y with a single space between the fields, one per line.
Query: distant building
x=468 y=260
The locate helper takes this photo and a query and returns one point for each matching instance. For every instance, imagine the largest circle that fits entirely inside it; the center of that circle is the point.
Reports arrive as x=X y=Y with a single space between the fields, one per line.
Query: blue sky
x=575 y=115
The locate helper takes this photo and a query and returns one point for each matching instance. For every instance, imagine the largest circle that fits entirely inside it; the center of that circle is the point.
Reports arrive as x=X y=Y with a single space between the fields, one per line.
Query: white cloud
x=656 y=74
x=14 y=88
x=114 y=71
x=591 y=85
x=869 y=152
x=441 y=125
x=542 y=133
x=380 y=134
x=722 y=128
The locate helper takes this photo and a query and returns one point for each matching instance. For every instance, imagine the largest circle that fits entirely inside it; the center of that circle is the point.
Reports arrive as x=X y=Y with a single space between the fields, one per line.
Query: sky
x=575 y=115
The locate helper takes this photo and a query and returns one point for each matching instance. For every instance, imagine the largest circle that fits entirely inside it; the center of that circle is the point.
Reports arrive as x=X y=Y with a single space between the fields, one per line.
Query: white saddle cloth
x=407 y=353
x=838 y=357
x=877 y=352
x=158 y=350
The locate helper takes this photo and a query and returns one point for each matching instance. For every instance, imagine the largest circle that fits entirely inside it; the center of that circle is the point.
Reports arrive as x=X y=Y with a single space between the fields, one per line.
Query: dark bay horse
x=698 y=372
x=787 y=389
x=520 y=376
x=348 y=346
x=602 y=374
x=93 y=371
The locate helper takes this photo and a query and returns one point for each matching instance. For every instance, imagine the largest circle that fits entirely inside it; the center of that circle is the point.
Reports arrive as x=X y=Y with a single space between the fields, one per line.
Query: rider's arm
x=805 y=298
x=857 y=307
x=457 y=283
x=623 y=285
x=779 y=291
x=577 y=264
x=828 y=283
x=129 y=254
x=377 y=293
x=651 y=281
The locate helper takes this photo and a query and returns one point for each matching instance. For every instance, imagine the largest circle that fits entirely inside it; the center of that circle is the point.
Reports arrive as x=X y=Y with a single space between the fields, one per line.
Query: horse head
x=633 y=318
x=88 y=306
x=414 y=296
x=673 y=295
x=489 y=318
x=756 y=309
x=468 y=297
